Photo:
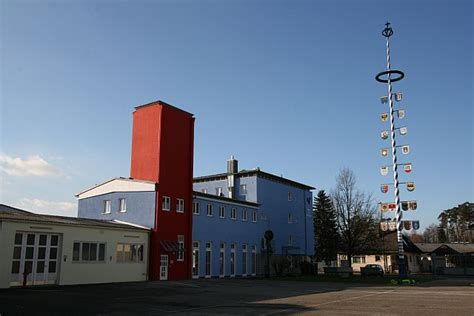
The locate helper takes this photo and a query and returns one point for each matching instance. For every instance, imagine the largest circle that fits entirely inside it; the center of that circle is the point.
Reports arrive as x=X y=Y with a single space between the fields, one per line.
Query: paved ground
x=242 y=297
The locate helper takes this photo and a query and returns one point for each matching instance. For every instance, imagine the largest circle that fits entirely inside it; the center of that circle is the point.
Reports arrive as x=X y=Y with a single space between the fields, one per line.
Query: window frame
x=196 y=208
x=181 y=251
x=233 y=214
x=79 y=258
x=209 y=210
x=245 y=215
x=222 y=211
x=107 y=209
x=163 y=203
x=254 y=216
x=138 y=258
x=179 y=205
x=122 y=202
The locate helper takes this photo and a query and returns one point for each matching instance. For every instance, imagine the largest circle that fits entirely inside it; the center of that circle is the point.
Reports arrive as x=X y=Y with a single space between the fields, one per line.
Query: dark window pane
x=134 y=253
x=41 y=252
x=140 y=253
x=16 y=253
x=85 y=251
x=16 y=267
x=28 y=266
x=40 y=267
x=30 y=240
x=54 y=240
x=52 y=267
x=75 y=251
x=29 y=252
x=102 y=252
x=18 y=238
x=93 y=252
x=53 y=253
x=42 y=240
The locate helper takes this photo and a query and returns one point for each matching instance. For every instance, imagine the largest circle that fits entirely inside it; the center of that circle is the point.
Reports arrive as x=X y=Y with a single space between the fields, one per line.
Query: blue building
x=231 y=212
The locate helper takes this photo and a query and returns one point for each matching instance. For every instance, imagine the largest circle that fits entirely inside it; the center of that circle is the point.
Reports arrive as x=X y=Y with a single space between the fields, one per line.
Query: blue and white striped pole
x=387 y=32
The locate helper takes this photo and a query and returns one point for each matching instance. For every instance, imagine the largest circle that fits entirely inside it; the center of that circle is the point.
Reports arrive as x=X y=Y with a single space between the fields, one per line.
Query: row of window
x=84 y=251
x=219 y=191
x=166 y=204
x=222 y=259
x=222 y=212
x=108 y=206
x=242 y=191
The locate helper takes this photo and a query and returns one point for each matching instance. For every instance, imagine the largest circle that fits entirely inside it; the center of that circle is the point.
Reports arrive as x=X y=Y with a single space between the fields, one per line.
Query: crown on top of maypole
x=387 y=31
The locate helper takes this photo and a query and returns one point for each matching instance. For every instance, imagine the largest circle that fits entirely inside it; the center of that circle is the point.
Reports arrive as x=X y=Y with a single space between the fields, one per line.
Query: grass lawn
x=386 y=280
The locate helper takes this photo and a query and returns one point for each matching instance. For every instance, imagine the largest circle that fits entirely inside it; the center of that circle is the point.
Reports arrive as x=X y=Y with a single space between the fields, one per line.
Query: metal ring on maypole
x=400 y=74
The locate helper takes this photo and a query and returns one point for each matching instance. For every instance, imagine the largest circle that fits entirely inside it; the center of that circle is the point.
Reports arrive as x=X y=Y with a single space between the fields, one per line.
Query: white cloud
x=31 y=166
x=48 y=207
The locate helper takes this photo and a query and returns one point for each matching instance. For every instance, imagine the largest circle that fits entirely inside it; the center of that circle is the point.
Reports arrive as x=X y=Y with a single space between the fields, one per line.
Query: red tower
x=162 y=151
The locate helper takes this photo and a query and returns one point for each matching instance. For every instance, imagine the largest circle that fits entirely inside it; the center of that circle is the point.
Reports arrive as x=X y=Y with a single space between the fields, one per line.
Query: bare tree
x=355 y=215
x=431 y=233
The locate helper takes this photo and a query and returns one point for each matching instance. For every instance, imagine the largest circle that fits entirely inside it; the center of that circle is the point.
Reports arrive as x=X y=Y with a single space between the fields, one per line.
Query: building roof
x=114 y=189
x=253 y=172
x=159 y=102
x=18 y=215
x=224 y=199
x=445 y=248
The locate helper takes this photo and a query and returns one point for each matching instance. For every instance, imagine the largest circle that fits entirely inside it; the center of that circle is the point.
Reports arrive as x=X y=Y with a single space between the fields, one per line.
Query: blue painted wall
x=140 y=207
x=275 y=207
x=216 y=230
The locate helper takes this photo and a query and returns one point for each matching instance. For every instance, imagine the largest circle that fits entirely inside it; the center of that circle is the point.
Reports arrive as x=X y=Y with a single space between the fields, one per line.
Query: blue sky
x=287 y=86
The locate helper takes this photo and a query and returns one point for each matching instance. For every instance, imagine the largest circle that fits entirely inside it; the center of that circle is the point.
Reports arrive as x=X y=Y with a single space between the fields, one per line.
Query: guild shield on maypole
x=389 y=77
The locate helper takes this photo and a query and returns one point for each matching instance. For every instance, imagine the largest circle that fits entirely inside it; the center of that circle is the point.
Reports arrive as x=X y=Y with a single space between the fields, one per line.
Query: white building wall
x=70 y=272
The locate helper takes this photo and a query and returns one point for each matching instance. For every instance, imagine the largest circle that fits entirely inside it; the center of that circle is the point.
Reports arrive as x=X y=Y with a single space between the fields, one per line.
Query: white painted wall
x=78 y=272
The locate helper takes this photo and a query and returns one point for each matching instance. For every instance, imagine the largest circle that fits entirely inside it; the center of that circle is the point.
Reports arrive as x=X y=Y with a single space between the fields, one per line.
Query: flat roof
x=164 y=104
x=15 y=214
x=249 y=173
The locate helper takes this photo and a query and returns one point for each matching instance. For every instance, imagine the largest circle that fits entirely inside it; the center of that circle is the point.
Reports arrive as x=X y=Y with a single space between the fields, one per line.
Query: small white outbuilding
x=40 y=249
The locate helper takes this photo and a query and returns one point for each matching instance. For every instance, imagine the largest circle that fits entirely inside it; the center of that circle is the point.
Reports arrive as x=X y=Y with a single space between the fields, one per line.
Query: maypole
x=389 y=77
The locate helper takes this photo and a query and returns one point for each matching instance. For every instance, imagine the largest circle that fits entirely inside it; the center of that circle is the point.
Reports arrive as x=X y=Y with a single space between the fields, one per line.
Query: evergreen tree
x=325 y=228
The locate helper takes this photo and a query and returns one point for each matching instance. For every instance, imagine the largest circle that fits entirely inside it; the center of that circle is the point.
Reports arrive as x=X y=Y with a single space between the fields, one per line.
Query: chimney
x=232 y=169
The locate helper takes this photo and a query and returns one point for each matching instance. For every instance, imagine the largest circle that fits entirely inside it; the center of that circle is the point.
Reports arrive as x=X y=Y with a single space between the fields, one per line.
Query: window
x=196 y=209
x=88 y=251
x=208 y=259
x=204 y=191
x=219 y=191
x=128 y=253
x=243 y=189
x=195 y=259
x=289 y=196
x=233 y=213
x=222 y=211
x=358 y=259
x=209 y=209
x=290 y=218
x=244 y=215
x=232 y=259
x=244 y=259
x=123 y=205
x=290 y=240
x=377 y=258
x=107 y=207
x=254 y=259
x=254 y=216
x=180 y=256
x=165 y=206
x=222 y=260
x=180 y=205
